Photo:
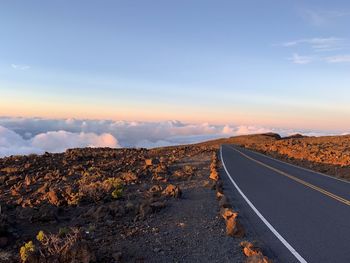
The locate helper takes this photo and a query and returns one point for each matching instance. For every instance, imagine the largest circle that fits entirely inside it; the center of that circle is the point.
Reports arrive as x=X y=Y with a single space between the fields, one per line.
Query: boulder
x=129 y=177
x=258 y=259
x=172 y=191
x=253 y=254
x=53 y=198
x=155 y=188
x=249 y=249
x=233 y=227
x=148 y=162
x=214 y=175
x=219 y=195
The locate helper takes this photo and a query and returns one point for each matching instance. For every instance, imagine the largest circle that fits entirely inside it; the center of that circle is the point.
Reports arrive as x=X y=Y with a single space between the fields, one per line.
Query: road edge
x=273 y=230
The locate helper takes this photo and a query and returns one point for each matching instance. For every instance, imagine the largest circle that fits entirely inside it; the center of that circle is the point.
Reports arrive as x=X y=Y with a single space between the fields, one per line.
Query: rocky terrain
x=116 y=205
x=139 y=205
x=329 y=154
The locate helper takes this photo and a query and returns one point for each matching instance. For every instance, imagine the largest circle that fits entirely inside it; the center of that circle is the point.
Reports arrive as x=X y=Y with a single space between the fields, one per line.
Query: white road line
x=274 y=231
x=296 y=166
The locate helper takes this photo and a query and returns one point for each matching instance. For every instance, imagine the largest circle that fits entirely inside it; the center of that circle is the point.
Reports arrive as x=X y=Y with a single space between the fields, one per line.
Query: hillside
x=112 y=205
x=329 y=154
x=137 y=205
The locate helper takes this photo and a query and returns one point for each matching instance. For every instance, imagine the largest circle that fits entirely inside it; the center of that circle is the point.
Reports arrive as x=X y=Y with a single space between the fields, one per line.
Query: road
x=301 y=215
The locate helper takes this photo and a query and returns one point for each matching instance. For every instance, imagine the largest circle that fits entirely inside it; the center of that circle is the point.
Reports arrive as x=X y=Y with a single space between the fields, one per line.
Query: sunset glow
x=229 y=65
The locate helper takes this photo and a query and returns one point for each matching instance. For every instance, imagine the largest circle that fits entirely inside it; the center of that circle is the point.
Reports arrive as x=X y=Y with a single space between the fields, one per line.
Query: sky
x=277 y=64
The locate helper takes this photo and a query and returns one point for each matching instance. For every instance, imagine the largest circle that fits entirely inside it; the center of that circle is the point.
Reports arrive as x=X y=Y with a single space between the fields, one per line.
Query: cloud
x=318 y=44
x=243 y=130
x=12 y=143
x=323 y=17
x=338 y=59
x=37 y=135
x=20 y=67
x=59 y=141
x=297 y=59
x=128 y=133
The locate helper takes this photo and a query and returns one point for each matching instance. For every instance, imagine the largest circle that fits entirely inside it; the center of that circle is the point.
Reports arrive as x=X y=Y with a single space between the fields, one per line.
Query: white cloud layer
x=12 y=143
x=37 y=135
x=58 y=141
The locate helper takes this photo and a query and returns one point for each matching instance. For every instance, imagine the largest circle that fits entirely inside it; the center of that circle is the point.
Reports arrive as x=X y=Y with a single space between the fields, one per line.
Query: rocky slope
x=329 y=154
x=113 y=205
x=138 y=205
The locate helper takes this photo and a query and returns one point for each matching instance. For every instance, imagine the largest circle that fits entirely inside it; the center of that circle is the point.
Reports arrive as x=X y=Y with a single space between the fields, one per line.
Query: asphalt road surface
x=302 y=216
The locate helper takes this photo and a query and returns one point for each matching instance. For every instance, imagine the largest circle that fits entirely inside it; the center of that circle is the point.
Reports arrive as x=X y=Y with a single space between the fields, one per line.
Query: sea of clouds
x=38 y=135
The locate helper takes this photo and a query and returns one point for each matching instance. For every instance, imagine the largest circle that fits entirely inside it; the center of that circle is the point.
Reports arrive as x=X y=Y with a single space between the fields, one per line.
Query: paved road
x=301 y=215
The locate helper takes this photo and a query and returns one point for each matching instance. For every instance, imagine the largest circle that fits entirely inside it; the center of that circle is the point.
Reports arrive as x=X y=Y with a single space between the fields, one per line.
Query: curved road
x=302 y=216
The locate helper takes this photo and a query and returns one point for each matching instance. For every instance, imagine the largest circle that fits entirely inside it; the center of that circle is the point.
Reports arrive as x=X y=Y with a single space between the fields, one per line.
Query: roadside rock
x=214 y=175
x=172 y=191
x=219 y=195
x=233 y=227
x=253 y=254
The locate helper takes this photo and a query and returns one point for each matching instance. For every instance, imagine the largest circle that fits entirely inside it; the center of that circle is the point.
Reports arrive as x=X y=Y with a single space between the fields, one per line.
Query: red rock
x=233 y=227
x=219 y=195
x=129 y=177
x=172 y=191
x=253 y=254
x=214 y=175
x=149 y=162
x=52 y=197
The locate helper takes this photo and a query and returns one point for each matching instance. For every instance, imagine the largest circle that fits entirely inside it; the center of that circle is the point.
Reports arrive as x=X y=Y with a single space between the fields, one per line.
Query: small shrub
x=40 y=236
x=98 y=189
x=118 y=186
x=117 y=193
x=63 y=231
x=26 y=250
x=114 y=182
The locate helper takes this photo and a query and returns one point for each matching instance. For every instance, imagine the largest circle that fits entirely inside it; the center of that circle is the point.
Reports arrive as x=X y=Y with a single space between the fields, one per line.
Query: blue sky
x=273 y=63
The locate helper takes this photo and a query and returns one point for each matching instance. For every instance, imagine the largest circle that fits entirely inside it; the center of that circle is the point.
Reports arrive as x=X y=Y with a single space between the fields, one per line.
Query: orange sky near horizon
x=267 y=118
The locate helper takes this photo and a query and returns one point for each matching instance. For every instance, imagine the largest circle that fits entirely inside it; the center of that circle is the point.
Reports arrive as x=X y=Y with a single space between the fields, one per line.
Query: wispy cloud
x=298 y=59
x=317 y=48
x=318 y=44
x=20 y=67
x=323 y=17
x=338 y=59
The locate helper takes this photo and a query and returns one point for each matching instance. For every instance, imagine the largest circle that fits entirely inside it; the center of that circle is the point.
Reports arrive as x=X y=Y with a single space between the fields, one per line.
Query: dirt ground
x=190 y=229
x=112 y=205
